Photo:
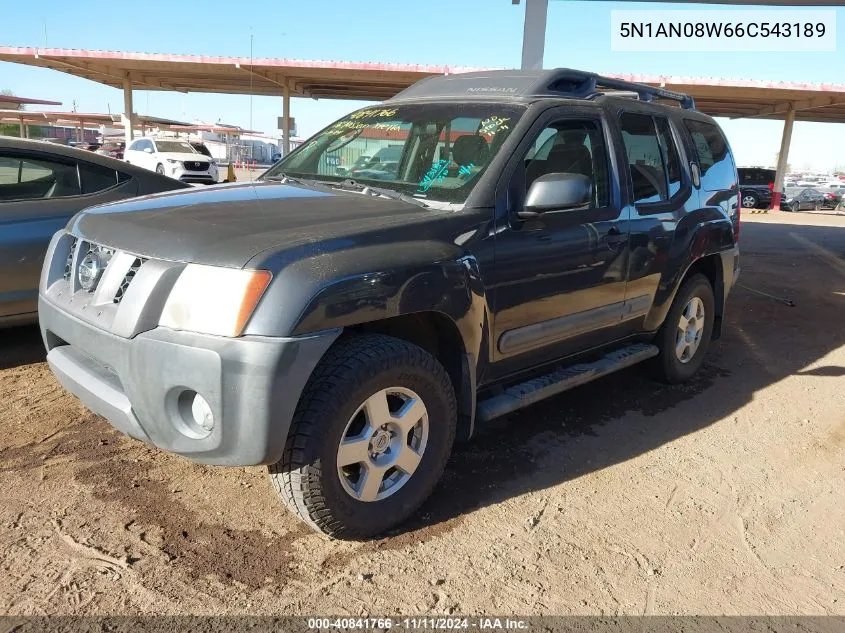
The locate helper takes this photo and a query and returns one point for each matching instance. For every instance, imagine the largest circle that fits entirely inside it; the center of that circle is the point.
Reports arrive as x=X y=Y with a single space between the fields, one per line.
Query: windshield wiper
x=379 y=191
x=284 y=178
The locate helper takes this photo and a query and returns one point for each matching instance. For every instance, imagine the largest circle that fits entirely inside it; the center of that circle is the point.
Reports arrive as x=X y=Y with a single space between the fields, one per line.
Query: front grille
x=105 y=259
x=127 y=278
x=104 y=255
x=69 y=260
x=195 y=165
x=200 y=180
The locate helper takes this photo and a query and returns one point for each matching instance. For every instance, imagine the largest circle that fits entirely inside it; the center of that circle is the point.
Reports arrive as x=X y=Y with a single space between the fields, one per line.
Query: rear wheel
x=160 y=169
x=370 y=437
x=750 y=201
x=685 y=335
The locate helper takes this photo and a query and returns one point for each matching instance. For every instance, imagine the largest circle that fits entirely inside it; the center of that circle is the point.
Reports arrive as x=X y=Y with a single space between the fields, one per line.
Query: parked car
x=41 y=186
x=832 y=198
x=359 y=163
x=91 y=146
x=171 y=157
x=202 y=148
x=345 y=333
x=381 y=166
x=802 y=200
x=756 y=186
x=112 y=150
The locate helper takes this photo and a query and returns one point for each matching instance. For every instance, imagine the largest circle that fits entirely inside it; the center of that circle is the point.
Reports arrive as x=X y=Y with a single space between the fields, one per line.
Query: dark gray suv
x=539 y=230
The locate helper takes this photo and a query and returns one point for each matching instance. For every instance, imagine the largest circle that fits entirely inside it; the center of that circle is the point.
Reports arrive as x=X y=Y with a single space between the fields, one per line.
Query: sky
x=480 y=33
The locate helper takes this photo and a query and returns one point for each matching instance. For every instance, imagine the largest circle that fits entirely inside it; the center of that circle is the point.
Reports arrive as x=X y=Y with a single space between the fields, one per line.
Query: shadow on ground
x=20 y=345
x=764 y=341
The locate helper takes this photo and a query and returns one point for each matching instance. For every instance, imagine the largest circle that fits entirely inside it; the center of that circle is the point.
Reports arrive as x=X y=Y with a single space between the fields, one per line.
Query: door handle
x=696 y=173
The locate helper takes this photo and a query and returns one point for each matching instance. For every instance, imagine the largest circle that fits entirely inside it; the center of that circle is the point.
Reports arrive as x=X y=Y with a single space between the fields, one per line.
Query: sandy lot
x=723 y=496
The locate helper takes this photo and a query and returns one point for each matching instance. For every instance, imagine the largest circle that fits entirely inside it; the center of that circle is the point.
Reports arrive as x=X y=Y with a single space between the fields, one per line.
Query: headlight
x=170 y=160
x=214 y=300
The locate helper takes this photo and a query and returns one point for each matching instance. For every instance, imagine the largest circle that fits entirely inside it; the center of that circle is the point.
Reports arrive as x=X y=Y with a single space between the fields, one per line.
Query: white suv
x=174 y=158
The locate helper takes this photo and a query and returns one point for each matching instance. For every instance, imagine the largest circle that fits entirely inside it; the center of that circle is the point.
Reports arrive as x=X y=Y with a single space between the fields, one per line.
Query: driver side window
x=571 y=146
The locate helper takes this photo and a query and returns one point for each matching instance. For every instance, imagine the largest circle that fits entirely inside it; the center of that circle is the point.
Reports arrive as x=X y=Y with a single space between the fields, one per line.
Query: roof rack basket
x=584 y=85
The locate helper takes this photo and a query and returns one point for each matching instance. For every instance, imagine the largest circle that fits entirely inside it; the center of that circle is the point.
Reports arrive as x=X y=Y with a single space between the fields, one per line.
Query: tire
x=672 y=368
x=750 y=201
x=160 y=169
x=817 y=206
x=334 y=401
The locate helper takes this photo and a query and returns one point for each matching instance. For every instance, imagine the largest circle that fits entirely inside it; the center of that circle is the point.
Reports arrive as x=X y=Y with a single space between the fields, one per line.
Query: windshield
x=430 y=151
x=175 y=146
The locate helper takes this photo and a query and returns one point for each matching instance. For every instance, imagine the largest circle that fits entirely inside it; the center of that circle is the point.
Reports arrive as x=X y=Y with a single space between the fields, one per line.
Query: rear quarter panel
x=708 y=227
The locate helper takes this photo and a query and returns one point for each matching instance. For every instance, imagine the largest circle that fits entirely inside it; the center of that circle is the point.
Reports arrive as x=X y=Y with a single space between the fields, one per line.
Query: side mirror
x=148 y=150
x=556 y=192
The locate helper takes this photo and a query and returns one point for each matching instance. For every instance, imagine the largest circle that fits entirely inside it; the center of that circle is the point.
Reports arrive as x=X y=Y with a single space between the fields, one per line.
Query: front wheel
x=370 y=437
x=160 y=169
x=685 y=335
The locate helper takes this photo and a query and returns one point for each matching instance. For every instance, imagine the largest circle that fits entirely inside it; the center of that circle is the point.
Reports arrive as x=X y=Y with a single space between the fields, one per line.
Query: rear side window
x=96 y=177
x=714 y=158
x=653 y=160
x=24 y=178
x=754 y=176
x=670 y=155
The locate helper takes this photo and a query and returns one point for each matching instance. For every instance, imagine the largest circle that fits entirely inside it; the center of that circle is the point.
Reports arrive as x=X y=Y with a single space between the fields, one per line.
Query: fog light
x=201 y=411
x=192 y=414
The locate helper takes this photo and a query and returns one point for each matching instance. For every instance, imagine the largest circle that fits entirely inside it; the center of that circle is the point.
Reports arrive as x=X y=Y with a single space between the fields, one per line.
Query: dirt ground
x=723 y=496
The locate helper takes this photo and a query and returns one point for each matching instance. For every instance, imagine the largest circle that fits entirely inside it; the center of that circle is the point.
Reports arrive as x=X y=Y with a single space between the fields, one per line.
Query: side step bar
x=560 y=380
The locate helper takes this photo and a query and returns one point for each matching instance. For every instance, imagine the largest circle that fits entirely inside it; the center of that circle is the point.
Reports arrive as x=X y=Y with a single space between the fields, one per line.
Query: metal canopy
x=35 y=117
x=739 y=98
x=376 y=81
x=235 y=75
x=12 y=103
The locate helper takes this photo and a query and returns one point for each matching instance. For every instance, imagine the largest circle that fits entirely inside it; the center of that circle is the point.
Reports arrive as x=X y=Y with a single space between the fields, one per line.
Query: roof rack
x=585 y=85
x=531 y=84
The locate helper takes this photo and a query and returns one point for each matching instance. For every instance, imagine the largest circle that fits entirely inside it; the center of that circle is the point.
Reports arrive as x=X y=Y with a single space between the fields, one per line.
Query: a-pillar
x=127 y=109
x=286 y=120
x=783 y=157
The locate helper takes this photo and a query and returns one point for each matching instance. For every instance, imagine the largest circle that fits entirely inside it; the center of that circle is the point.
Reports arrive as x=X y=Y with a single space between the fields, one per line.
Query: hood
x=183 y=156
x=227 y=225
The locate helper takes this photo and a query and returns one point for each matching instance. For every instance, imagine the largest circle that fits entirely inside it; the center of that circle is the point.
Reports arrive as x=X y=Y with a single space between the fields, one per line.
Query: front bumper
x=106 y=348
x=252 y=384
x=205 y=177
